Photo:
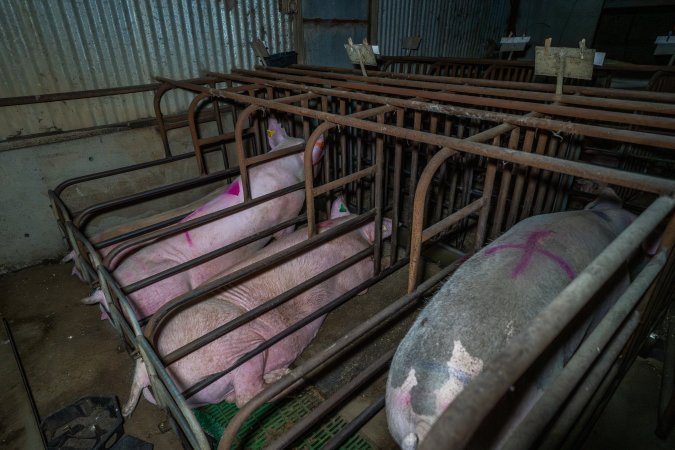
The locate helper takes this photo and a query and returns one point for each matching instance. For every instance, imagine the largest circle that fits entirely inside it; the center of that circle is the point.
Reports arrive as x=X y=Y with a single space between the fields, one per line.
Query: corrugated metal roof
x=459 y=28
x=69 y=45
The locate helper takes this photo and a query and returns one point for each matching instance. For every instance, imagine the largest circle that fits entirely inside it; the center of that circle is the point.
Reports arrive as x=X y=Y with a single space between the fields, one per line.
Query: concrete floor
x=68 y=353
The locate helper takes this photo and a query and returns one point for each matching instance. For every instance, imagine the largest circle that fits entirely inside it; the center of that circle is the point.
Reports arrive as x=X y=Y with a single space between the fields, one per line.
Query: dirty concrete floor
x=69 y=353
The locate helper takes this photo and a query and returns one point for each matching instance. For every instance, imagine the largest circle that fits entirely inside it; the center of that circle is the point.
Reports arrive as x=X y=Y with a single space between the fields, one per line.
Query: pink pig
x=244 y=382
x=182 y=247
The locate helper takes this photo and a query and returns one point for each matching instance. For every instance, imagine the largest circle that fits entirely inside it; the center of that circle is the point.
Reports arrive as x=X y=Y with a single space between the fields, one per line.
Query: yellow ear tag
x=270 y=133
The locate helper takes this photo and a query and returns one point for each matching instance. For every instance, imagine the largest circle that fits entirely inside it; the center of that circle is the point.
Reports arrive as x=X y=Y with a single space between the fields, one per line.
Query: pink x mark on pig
x=529 y=248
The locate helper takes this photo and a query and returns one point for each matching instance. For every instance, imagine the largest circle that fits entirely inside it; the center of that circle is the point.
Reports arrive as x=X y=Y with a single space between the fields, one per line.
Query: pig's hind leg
x=248 y=379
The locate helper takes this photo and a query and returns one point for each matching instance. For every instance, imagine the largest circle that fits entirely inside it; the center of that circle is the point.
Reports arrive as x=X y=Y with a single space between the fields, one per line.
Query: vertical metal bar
x=355 y=425
x=488 y=185
x=157 y=103
x=379 y=180
x=440 y=195
x=194 y=132
x=360 y=135
x=305 y=120
x=417 y=125
x=533 y=176
x=257 y=140
x=241 y=153
x=504 y=188
x=343 y=140
x=544 y=179
x=398 y=173
x=520 y=181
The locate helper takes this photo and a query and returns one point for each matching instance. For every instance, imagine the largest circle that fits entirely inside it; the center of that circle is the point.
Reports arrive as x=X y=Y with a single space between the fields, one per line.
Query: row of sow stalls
x=611 y=74
x=453 y=164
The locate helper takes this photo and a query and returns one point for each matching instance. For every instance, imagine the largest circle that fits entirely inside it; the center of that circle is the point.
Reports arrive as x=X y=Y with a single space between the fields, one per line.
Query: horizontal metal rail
x=454 y=427
x=543 y=87
x=613 y=134
x=180 y=302
x=327 y=308
x=439 y=85
x=193 y=223
x=82 y=216
x=140 y=284
x=546 y=408
x=612 y=176
x=296 y=375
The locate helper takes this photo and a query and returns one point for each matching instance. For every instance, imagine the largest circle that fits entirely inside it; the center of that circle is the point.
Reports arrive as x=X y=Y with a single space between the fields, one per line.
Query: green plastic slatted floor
x=271 y=420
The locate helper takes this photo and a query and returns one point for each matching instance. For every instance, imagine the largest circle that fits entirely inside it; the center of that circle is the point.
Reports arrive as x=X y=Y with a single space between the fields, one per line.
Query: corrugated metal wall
x=68 y=45
x=459 y=28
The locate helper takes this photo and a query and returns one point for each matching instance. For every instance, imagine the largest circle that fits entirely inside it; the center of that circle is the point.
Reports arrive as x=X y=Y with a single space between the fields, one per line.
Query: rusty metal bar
x=372 y=324
x=293 y=328
x=520 y=180
x=180 y=302
x=500 y=208
x=418 y=207
x=488 y=185
x=454 y=427
x=177 y=228
x=621 y=178
x=145 y=282
x=556 y=393
x=533 y=175
x=630 y=136
x=355 y=425
x=544 y=87
x=553 y=109
x=322 y=189
x=82 y=216
x=258 y=311
x=440 y=85
x=346 y=391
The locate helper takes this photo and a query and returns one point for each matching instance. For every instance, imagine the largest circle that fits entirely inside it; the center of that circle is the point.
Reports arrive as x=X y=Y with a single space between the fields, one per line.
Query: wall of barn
x=71 y=45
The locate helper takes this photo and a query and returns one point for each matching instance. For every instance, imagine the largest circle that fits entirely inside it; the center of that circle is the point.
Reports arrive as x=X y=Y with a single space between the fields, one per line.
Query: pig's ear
x=275 y=133
x=339 y=208
x=317 y=151
x=607 y=199
x=368 y=231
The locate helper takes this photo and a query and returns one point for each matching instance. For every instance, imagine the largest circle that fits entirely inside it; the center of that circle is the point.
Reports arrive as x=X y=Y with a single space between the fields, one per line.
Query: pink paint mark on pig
x=234 y=189
x=188 y=238
x=529 y=248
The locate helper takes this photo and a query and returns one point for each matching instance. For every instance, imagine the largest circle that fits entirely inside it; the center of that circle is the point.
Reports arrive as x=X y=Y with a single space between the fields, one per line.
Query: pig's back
x=498 y=291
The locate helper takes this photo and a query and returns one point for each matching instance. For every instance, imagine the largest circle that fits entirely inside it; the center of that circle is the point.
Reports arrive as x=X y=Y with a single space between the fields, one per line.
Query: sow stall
x=453 y=165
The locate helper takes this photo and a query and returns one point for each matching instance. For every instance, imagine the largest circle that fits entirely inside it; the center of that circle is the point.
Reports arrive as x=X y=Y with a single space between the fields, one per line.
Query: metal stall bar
x=168 y=395
x=552 y=109
x=162 y=125
x=251 y=314
x=209 y=256
x=193 y=223
x=244 y=161
x=454 y=427
x=327 y=406
x=439 y=85
x=334 y=304
x=543 y=87
x=297 y=375
x=629 y=136
x=355 y=425
x=82 y=216
x=212 y=286
x=555 y=394
x=621 y=178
